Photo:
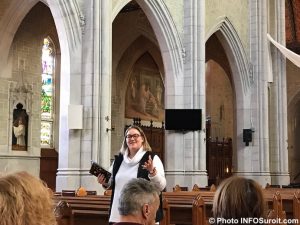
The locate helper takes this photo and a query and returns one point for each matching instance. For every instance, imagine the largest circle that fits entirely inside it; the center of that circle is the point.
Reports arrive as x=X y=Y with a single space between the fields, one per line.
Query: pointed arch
x=133 y=53
x=233 y=46
x=241 y=79
x=14 y=15
x=167 y=36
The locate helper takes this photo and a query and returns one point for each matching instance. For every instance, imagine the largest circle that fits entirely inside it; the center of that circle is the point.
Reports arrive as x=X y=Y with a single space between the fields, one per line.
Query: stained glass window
x=47 y=94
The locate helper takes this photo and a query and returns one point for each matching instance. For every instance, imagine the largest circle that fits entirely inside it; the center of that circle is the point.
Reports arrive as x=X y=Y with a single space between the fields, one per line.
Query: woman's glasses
x=135 y=136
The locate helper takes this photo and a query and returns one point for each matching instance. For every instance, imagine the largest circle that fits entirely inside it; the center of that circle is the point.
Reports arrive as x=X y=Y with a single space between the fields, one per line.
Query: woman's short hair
x=146 y=145
x=238 y=197
x=25 y=199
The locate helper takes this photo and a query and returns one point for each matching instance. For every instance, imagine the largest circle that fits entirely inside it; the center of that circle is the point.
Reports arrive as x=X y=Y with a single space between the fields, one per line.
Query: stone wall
x=24 y=68
x=236 y=11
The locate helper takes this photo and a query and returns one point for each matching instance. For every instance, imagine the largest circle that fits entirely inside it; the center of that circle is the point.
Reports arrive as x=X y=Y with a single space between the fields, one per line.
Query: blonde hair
x=238 y=197
x=146 y=145
x=25 y=200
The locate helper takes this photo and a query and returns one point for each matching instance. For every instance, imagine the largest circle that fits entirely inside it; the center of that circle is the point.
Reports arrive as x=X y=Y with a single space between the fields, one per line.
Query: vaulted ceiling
x=292 y=20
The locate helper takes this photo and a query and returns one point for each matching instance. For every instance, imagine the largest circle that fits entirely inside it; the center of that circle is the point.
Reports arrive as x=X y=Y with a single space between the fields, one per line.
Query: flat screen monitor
x=183 y=119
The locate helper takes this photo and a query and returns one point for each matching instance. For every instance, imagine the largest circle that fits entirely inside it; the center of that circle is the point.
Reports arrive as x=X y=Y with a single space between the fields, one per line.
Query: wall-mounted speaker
x=247 y=136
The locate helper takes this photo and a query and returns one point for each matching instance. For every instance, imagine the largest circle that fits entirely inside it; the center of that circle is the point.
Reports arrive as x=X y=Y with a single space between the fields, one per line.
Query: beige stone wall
x=293 y=104
x=27 y=47
x=293 y=80
x=237 y=12
x=219 y=101
x=4 y=109
x=176 y=9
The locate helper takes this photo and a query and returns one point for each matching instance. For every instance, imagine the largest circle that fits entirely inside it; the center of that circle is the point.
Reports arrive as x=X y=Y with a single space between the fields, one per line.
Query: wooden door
x=48 y=167
x=218 y=157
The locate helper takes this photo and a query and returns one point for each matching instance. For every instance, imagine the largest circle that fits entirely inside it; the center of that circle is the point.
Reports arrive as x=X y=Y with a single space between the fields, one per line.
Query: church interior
x=75 y=74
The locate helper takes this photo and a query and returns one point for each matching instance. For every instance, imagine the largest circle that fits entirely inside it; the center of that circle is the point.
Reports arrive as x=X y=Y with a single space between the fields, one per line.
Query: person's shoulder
x=147 y=153
x=120 y=155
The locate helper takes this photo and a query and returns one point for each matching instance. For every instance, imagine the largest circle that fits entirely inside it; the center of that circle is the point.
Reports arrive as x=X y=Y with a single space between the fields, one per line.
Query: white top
x=19 y=133
x=127 y=171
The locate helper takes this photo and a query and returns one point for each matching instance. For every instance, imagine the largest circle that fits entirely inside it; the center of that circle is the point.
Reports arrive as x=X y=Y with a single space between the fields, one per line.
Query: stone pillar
x=255 y=162
x=102 y=82
x=69 y=31
x=278 y=98
x=192 y=153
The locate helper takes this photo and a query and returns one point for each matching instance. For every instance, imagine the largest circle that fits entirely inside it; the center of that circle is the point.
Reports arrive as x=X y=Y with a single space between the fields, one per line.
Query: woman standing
x=135 y=160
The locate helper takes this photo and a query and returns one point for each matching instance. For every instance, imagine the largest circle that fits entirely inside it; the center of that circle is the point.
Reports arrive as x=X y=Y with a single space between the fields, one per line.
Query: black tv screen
x=183 y=119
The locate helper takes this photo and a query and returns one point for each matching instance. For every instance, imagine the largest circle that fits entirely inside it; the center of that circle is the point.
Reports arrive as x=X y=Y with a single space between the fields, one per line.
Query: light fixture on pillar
x=110 y=129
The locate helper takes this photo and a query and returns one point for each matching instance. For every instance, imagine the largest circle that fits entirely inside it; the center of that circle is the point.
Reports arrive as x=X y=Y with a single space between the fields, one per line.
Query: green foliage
x=46 y=102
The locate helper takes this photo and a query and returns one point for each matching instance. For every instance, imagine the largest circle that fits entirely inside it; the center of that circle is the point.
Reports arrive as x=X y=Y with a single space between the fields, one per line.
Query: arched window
x=47 y=94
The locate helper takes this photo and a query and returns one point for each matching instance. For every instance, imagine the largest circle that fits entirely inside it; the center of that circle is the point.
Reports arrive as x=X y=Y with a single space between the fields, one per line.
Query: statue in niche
x=20 y=128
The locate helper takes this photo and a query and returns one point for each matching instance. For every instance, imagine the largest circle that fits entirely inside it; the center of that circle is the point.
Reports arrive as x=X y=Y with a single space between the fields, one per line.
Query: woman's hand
x=149 y=166
x=101 y=179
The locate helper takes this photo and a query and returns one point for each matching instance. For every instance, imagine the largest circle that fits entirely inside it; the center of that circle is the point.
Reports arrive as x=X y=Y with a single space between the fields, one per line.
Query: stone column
x=102 y=82
x=66 y=16
x=258 y=152
x=193 y=150
x=278 y=98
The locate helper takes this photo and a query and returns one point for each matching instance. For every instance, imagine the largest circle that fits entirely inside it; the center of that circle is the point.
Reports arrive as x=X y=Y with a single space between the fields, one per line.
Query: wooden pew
x=68 y=192
x=200 y=212
x=166 y=218
x=96 y=198
x=73 y=193
x=83 y=201
x=277 y=211
x=179 y=188
x=96 y=207
x=287 y=200
x=186 y=212
x=89 y=217
x=185 y=207
x=296 y=205
x=85 y=210
x=197 y=188
x=204 y=201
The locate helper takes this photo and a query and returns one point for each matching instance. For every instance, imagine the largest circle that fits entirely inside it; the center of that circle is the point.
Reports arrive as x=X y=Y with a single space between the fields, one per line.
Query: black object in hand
x=96 y=169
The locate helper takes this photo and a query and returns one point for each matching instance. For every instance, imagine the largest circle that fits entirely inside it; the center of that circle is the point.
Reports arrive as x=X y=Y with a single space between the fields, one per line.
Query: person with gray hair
x=138 y=203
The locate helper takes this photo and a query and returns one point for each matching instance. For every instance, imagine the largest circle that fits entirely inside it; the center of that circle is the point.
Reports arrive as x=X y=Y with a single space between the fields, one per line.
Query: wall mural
x=145 y=96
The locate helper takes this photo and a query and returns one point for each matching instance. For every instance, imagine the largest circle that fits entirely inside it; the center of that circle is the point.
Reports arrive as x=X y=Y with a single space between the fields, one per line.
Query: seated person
x=138 y=203
x=237 y=198
x=25 y=200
